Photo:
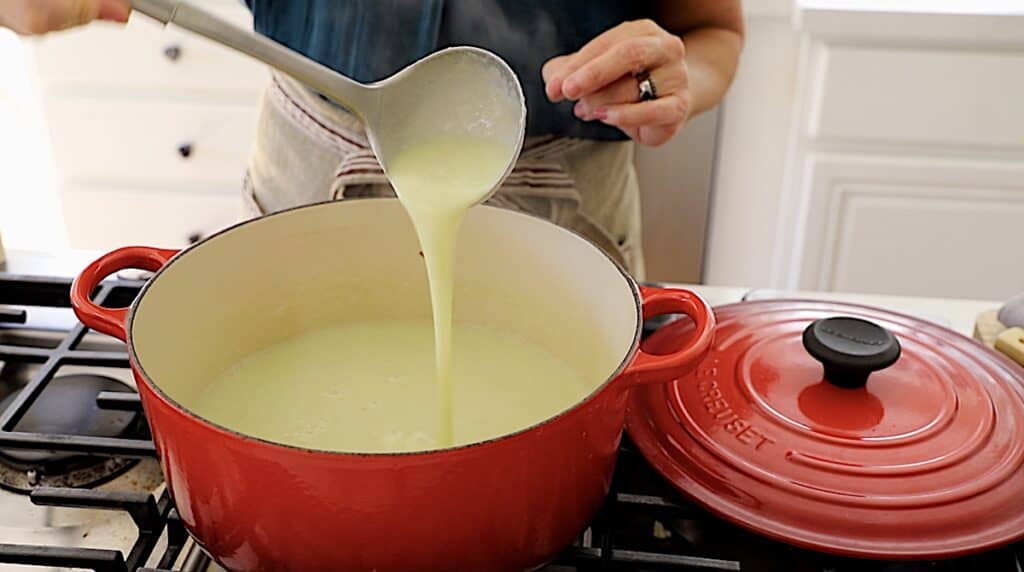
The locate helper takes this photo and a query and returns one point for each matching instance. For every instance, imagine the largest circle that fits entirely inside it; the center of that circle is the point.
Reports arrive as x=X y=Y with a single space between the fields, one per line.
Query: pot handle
x=652 y=368
x=111 y=321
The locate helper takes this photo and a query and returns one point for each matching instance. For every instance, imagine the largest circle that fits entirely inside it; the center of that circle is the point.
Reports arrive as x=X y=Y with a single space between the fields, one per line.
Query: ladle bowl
x=459 y=91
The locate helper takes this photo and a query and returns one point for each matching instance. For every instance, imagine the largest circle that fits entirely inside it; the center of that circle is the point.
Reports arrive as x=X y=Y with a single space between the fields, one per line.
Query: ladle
x=459 y=91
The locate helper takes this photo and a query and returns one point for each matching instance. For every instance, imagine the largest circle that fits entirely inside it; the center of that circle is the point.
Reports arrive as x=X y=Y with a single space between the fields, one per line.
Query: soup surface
x=370 y=387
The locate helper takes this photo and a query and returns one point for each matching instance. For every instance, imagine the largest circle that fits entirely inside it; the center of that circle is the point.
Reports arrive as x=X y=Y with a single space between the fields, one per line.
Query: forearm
x=712 y=33
x=712 y=55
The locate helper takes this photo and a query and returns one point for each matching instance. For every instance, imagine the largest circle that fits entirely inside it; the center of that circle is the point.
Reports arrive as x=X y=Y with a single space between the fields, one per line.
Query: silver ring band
x=648 y=90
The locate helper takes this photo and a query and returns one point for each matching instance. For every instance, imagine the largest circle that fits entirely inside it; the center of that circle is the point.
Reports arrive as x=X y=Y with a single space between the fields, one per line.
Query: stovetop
x=68 y=500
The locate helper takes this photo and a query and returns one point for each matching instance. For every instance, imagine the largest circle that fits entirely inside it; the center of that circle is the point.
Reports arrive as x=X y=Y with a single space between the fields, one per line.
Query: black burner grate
x=151 y=517
x=645 y=526
x=21 y=295
x=54 y=292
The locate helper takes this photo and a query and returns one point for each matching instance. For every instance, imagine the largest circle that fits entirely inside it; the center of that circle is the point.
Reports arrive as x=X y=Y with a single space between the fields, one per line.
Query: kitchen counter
x=31 y=263
x=956 y=314
x=959 y=314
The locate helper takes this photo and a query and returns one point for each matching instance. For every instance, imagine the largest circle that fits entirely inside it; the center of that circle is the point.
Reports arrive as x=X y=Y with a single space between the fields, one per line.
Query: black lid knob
x=851 y=349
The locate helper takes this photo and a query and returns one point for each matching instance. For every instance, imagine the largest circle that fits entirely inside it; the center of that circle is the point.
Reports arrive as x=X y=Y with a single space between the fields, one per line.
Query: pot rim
x=181 y=409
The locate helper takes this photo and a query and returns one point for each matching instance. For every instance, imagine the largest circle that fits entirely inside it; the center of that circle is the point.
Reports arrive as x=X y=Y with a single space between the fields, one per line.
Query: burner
x=68 y=407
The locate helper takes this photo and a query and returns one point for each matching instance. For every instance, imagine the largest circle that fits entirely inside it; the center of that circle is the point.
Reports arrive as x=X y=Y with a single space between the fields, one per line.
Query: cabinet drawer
x=940 y=97
x=146 y=55
x=149 y=141
x=914 y=226
x=103 y=219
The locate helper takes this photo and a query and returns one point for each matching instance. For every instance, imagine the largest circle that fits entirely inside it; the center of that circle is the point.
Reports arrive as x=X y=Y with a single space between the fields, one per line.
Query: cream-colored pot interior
x=273 y=278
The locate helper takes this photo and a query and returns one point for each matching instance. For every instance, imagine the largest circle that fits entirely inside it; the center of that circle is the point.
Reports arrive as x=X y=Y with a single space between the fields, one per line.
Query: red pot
x=510 y=503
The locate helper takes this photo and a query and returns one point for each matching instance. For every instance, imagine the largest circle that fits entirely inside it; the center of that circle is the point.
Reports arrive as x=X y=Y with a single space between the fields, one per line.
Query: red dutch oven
x=844 y=429
x=511 y=503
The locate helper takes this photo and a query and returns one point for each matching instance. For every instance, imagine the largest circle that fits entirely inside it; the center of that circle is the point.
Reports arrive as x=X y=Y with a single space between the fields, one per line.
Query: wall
x=752 y=150
x=29 y=206
x=675 y=187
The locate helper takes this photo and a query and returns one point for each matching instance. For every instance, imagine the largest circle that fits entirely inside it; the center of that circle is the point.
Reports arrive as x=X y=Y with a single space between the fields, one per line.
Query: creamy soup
x=370 y=387
x=437 y=181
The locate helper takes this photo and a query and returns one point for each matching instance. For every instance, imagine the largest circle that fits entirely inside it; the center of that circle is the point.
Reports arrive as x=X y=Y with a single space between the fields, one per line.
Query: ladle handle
x=328 y=82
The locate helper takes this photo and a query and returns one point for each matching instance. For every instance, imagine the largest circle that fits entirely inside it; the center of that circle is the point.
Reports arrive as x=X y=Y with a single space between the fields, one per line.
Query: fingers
x=556 y=70
x=553 y=74
x=669 y=110
x=599 y=77
x=669 y=79
x=115 y=10
x=623 y=90
x=42 y=16
x=623 y=59
x=70 y=13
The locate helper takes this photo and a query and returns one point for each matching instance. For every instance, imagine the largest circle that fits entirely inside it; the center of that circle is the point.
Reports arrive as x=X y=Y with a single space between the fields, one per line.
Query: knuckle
x=635 y=54
x=676 y=48
x=635 y=26
x=586 y=76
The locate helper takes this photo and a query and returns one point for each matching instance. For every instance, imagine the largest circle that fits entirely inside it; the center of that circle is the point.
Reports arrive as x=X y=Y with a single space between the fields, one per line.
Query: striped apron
x=308 y=150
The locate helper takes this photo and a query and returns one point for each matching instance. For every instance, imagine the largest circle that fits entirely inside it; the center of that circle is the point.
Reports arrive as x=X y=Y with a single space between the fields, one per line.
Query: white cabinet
x=146 y=217
x=905 y=226
x=150 y=128
x=150 y=141
x=902 y=167
x=923 y=96
x=145 y=56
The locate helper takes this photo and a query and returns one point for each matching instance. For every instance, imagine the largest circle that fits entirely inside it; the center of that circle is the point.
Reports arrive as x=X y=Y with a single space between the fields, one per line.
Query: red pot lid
x=907 y=443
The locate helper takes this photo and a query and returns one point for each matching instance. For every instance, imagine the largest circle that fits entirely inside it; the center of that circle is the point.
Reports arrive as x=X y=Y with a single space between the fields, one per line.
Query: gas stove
x=80 y=487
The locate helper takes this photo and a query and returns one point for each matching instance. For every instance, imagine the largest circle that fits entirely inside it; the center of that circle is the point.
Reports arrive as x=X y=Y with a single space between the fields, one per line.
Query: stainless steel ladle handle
x=348 y=92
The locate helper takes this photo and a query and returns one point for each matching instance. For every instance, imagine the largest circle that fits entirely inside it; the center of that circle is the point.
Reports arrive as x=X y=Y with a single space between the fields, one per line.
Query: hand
x=600 y=77
x=42 y=16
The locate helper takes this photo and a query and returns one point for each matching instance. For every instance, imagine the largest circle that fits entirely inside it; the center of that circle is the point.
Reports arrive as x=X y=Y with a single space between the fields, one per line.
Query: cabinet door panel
x=145 y=56
x=103 y=219
x=107 y=140
x=931 y=97
x=914 y=226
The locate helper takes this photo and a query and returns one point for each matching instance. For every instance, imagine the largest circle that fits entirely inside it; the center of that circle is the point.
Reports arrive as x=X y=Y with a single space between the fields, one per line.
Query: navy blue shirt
x=369 y=40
